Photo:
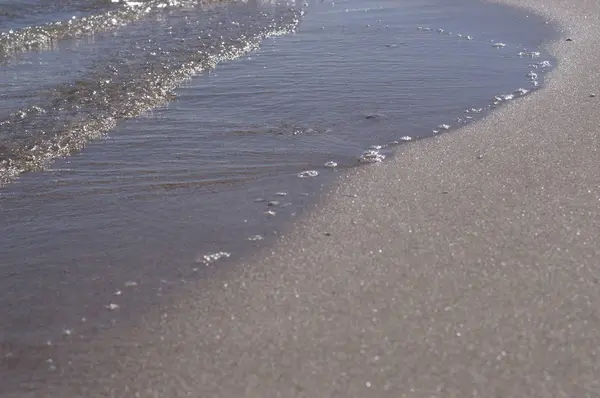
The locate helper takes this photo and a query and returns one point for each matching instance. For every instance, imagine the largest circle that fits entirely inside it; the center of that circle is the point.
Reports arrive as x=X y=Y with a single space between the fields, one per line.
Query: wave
x=146 y=62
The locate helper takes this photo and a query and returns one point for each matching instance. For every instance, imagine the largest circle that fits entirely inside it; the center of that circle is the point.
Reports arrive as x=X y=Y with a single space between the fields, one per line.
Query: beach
x=464 y=266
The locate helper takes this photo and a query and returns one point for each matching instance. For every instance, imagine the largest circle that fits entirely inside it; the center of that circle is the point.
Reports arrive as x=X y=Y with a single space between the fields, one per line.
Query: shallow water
x=184 y=169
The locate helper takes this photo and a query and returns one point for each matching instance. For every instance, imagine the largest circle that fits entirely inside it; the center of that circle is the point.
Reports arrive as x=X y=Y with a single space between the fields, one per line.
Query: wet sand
x=465 y=266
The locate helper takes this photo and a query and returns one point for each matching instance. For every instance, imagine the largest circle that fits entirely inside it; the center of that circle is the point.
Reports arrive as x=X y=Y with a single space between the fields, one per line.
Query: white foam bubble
x=406 y=138
x=444 y=127
x=544 y=64
x=210 y=258
x=532 y=54
x=308 y=173
x=499 y=45
x=520 y=91
x=371 y=156
x=112 y=307
x=330 y=164
x=255 y=237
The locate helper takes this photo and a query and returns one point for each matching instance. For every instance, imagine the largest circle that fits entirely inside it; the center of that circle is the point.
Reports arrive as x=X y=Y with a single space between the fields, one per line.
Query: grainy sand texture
x=467 y=266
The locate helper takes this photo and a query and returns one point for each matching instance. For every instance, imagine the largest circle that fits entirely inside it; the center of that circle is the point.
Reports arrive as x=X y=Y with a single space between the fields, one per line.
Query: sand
x=468 y=265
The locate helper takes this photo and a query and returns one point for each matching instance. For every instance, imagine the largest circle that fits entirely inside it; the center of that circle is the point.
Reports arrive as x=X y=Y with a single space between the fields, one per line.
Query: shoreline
x=162 y=187
x=478 y=280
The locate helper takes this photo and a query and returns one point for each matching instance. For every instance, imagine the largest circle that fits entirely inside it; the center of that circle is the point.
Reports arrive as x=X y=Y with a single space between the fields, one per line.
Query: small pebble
x=273 y=203
x=569 y=39
x=592 y=95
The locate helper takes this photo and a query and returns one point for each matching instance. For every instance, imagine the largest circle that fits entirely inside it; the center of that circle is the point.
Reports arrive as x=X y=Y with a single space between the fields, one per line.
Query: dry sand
x=469 y=265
